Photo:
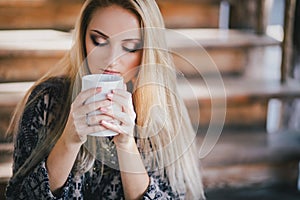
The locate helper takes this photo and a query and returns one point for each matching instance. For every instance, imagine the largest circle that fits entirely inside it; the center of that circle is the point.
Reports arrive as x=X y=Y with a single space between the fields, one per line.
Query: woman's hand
x=126 y=116
x=79 y=124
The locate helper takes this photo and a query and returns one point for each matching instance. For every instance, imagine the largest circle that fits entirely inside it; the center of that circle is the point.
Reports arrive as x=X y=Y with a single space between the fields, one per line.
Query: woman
x=153 y=147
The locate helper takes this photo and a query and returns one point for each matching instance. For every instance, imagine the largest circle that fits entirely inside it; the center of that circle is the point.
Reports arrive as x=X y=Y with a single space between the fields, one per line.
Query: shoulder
x=56 y=87
x=48 y=95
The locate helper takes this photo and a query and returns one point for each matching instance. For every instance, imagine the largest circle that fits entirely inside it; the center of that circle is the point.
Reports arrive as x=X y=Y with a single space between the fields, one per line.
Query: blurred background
x=246 y=65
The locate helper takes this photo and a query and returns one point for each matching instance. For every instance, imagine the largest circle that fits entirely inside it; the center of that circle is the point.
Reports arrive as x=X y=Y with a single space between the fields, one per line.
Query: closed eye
x=98 y=40
x=130 y=50
x=132 y=46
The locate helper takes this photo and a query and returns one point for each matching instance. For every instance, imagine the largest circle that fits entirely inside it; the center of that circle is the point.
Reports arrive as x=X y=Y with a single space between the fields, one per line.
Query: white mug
x=107 y=82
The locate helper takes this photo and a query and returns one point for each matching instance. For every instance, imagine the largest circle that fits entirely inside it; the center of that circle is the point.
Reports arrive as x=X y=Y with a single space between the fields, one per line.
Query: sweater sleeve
x=36 y=186
x=159 y=188
x=36 y=121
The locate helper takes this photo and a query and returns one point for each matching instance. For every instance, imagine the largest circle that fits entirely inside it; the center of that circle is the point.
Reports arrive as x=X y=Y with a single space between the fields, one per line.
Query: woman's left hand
x=126 y=116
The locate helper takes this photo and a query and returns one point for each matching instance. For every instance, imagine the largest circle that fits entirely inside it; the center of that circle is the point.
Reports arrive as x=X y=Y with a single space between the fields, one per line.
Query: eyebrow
x=133 y=39
x=106 y=36
x=100 y=33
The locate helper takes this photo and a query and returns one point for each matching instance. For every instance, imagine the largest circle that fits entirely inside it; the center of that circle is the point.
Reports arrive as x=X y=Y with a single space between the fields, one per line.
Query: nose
x=114 y=56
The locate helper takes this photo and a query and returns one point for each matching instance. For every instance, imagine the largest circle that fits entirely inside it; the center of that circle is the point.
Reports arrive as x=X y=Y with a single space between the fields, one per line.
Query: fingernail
x=103 y=122
x=103 y=109
x=98 y=89
x=109 y=95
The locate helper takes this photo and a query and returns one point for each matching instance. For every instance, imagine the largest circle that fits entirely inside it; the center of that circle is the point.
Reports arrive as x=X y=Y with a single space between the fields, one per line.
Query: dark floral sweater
x=42 y=114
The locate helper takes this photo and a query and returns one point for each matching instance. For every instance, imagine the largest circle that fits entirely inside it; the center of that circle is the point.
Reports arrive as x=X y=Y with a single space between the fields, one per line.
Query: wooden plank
x=5 y=115
x=250 y=14
x=252 y=146
x=295 y=71
x=257 y=175
x=216 y=38
x=189 y=14
x=197 y=63
x=244 y=101
x=10 y=95
x=245 y=157
x=207 y=51
x=287 y=45
x=266 y=191
x=5 y=174
x=41 y=14
x=28 y=54
x=25 y=68
x=17 y=14
x=6 y=151
x=237 y=89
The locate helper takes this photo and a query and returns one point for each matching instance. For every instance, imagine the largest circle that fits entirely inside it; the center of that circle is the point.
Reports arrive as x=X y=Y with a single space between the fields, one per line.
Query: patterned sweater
x=42 y=115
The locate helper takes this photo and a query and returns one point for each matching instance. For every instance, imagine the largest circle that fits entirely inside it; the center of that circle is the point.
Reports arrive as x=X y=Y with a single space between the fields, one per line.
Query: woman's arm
x=35 y=125
x=59 y=164
x=63 y=155
x=135 y=179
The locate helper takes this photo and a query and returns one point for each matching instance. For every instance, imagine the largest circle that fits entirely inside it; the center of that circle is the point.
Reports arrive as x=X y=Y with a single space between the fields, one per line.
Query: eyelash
x=130 y=50
x=137 y=47
x=96 y=43
x=124 y=48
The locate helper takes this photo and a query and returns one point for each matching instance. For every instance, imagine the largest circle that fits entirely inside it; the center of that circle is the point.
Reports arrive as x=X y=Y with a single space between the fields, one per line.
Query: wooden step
x=6 y=150
x=39 y=14
x=25 y=14
x=190 y=14
x=26 y=55
x=251 y=158
x=243 y=100
x=201 y=52
x=10 y=95
x=268 y=192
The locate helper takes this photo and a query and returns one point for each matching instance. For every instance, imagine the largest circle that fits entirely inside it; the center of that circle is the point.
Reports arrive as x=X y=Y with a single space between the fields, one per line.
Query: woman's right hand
x=77 y=127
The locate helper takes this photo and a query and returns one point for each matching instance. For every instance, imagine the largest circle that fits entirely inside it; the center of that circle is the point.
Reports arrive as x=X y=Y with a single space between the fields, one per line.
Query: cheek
x=131 y=62
x=91 y=52
x=134 y=60
x=95 y=57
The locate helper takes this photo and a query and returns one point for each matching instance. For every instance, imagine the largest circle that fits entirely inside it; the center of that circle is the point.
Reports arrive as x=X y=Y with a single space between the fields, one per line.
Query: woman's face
x=113 y=42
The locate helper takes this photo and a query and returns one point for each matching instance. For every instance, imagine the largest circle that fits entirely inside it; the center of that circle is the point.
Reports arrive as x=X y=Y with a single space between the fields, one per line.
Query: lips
x=111 y=72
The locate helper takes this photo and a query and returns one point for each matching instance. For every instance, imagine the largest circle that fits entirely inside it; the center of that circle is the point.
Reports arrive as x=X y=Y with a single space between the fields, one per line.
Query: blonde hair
x=163 y=125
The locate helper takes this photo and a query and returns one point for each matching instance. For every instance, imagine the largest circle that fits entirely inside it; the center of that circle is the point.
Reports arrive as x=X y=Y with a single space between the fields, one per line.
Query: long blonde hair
x=163 y=125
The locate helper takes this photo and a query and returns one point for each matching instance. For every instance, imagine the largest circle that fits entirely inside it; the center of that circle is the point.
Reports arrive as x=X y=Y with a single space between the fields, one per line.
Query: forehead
x=115 y=20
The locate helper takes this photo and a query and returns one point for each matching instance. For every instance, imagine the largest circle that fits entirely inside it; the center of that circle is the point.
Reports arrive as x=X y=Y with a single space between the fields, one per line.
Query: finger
x=84 y=95
x=123 y=93
x=122 y=99
x=113 y=127
x=96 y=119
x=122 y=117
x=84 y=128
x=93 y=106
